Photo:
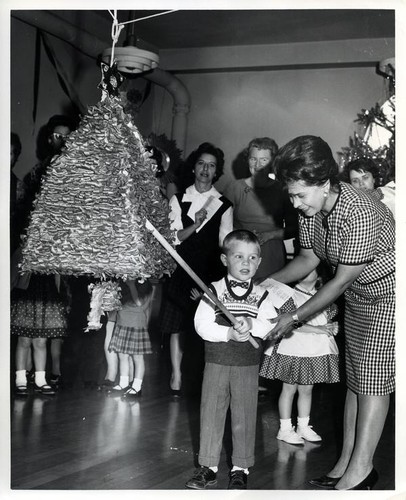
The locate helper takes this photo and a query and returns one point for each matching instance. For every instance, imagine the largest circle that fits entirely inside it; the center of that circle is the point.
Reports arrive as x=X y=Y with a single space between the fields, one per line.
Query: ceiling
x=204 y=28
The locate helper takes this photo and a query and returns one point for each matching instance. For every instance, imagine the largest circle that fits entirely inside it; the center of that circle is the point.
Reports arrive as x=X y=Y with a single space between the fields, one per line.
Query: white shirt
x=199 y=200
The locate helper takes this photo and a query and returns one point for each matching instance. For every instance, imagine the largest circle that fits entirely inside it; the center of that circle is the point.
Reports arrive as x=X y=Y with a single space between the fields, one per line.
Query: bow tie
x=242 y=284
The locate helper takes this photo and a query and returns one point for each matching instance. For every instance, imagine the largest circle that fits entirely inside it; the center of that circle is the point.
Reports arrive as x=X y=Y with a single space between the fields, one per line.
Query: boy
x=231 y=362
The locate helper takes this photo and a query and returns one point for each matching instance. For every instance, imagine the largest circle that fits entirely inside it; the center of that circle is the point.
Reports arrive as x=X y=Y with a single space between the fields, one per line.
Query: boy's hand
x=195 y=294
x=240 y=332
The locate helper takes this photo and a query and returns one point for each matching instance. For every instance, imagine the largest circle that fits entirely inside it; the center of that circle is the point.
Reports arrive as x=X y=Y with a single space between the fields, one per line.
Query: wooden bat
x=195 y=277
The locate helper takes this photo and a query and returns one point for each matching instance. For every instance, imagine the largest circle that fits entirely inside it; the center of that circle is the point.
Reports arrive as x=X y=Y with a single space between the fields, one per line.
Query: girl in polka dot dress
x=305 y=356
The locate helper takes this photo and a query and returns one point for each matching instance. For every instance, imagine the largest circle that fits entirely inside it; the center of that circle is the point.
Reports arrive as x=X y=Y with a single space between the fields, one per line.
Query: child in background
x=304 y=357
x=231 y=363
x=130 y=338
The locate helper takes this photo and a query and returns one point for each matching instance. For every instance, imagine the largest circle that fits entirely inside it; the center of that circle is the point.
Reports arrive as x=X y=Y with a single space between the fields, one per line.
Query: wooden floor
x=83 y=439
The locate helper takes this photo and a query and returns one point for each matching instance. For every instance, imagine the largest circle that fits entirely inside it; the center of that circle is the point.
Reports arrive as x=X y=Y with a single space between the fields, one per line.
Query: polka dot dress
x=39 y=311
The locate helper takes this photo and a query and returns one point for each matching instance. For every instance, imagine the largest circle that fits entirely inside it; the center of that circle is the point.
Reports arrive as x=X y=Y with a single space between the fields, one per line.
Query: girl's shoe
x=21 y=390
x=106 y=385
x=117 y=390
x=45 y=389
x=131 y=393
x=308 y=434
x=289 y=436
x=55 y=380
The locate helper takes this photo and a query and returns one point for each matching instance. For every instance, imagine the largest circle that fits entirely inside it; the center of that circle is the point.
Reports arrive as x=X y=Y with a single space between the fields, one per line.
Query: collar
x=211 y=192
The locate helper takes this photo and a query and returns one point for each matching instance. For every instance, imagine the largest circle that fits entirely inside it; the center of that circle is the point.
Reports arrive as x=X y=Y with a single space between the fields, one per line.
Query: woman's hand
x=284 y=324
x=200 y=217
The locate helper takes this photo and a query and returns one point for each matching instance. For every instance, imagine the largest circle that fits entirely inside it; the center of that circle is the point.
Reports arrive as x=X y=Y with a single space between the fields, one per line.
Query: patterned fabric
x=130 y=334
x=130 y=340
x=241 y=284
x=303 y=357
x=361 y=230
x=212 y=326
x=39 y=311
x=301 y=370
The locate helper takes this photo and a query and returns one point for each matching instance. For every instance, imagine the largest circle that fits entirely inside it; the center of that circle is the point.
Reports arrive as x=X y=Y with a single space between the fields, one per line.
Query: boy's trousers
x=223 y=387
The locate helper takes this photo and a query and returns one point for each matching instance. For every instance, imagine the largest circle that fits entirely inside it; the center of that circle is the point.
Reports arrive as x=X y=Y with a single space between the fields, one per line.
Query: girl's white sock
x=303 y=421
x=235 y=467
x=124 y=380
x=21 y=377
x=40 y=379
x=286 y=423
x=137 y=383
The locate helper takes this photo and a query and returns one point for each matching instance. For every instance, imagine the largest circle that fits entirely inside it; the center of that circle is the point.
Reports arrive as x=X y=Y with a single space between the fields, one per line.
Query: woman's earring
x=325 y=194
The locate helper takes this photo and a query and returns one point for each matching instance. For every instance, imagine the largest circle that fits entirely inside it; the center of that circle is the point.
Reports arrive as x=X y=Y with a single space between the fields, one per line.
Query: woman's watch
x=297 y=323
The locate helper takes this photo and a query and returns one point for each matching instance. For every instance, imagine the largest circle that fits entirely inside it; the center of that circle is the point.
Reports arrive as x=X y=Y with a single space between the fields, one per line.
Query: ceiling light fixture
x=130 y=58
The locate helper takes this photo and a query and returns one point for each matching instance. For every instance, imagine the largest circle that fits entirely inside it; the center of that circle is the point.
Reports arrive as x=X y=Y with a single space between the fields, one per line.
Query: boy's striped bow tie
x=242 y=284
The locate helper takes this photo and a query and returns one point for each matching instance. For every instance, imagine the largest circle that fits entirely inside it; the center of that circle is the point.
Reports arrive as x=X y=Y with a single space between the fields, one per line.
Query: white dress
x=303 y=358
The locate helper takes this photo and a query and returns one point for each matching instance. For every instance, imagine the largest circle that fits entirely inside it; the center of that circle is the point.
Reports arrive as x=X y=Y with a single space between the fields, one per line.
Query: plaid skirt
x=130 y=340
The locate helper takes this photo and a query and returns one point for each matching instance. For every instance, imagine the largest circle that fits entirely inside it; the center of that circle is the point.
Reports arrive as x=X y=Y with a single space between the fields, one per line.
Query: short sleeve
x=359 y=237
x=305 y=231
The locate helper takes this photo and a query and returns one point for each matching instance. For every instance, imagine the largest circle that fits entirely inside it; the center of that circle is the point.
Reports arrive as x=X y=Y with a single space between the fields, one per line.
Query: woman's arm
x=298 y=268
x=200 y=216
x=343 y=279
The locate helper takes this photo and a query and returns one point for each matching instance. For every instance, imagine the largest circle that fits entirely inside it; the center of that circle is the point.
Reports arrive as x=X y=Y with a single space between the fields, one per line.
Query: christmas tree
x=376 y=139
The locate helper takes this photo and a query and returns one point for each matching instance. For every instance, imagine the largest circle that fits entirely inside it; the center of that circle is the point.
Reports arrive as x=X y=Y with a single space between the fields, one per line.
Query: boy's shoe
x=202 y=478
x=308 y=434
x=289 y=436
x=238 y=480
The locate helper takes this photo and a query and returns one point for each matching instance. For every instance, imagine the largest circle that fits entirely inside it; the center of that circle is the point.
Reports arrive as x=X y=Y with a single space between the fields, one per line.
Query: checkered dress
x=304 y=358
x=361 y=230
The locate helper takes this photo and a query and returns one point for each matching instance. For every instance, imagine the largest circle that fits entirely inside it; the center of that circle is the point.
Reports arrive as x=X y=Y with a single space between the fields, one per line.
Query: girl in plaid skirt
x=130 y=338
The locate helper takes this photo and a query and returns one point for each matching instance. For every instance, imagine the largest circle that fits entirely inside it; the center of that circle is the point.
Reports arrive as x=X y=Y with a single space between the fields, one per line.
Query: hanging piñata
x=89 y=217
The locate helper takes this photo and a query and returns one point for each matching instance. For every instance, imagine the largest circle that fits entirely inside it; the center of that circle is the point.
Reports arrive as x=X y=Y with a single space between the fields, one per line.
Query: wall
x=284 y=92
x=229 y=110
x=82 y=71
x=236 y=92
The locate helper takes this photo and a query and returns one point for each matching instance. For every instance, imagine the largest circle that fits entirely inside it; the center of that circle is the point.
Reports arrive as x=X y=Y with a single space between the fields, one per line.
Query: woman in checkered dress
x=130 y=338
x=355 y=235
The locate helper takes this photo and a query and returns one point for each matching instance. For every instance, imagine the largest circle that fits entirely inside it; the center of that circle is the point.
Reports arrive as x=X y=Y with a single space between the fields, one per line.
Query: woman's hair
x=263 y=143
x=240 y=235
x=363 y=164
x=16 y=144
x=144 y=288
x=208 y=148
x=324 y=274
x=307 y=158
x=44 y=149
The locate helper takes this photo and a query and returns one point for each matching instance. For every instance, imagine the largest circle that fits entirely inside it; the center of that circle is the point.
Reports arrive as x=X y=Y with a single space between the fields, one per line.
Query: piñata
x=89 y=217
